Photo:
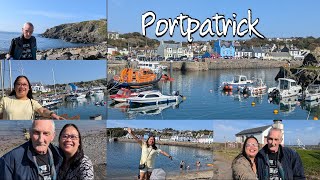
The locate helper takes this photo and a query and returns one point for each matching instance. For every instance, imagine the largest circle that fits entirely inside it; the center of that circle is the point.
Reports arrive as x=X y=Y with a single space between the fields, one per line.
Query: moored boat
x=237 y=82
x=154 y=97
x=130 y=78
x=286 y=88
x=257 y=87
x=312 y=93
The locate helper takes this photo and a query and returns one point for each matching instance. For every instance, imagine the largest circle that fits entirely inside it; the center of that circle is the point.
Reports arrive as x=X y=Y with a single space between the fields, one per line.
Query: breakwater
x=114 y=67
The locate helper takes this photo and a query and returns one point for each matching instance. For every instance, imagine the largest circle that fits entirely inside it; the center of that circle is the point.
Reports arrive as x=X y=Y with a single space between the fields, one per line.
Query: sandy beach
x=94 y=145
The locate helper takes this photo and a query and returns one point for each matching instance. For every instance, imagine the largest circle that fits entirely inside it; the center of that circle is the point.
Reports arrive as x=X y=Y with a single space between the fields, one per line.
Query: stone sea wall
x=116 y=66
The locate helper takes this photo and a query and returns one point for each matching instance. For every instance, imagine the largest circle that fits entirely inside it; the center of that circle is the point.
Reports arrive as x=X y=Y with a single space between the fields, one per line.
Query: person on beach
x=277 y=162
x=198 y=164
x=148 y=155
x=24 y=47
x=182 y=165
x=244 y=165
x=20 y=105
x=35 y=159
x=75 y=165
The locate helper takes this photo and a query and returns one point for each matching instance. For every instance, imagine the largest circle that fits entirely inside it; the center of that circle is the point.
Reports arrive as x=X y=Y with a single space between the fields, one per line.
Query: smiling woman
x=20 y=104
x=76 y=165
x=244 y=165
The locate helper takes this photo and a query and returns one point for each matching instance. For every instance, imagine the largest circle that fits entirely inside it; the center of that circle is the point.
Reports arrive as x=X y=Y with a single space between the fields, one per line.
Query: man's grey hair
x=28 y=23
x=52 y=122
x=276 y=129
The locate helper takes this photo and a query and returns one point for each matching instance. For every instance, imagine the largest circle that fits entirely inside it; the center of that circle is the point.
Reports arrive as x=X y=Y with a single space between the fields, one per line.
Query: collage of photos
x=213 y=90
x=159 y=90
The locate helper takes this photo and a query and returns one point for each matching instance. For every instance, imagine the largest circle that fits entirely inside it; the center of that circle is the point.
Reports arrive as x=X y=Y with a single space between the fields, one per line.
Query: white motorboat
x=286 y=88
x=154 y=66
x=98 y=92
x=152 y=110
x=312 y=93
x=237 y=82
x=257 y=87
x=154 y=97
x=75 y=97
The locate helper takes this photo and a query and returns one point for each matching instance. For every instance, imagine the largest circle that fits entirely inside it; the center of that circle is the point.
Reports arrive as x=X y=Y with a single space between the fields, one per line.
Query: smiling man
x=25 y=46
x=35 y=159
x=277 y=162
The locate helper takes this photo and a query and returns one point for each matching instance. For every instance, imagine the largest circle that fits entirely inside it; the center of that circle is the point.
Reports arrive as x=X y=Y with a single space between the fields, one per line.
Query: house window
x=169 y=49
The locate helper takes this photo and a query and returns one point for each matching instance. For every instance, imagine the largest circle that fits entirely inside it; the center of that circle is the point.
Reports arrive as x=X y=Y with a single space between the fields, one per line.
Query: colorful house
x=225 y=49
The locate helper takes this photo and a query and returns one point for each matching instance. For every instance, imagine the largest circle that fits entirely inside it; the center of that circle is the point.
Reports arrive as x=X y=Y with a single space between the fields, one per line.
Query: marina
x=204 y=99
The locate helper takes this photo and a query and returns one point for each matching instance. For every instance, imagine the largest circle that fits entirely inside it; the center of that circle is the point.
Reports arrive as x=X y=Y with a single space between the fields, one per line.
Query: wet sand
x=94 y=146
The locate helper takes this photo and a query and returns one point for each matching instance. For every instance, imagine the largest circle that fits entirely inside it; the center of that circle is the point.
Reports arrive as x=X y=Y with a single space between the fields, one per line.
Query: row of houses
x=224 y=49
x=176 y=136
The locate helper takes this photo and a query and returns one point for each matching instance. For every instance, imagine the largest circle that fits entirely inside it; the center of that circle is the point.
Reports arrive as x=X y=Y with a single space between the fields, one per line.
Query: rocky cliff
x=94 y=31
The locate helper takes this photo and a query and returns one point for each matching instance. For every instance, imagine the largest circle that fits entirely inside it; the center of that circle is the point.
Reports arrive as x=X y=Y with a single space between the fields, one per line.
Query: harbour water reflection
x=205 y=100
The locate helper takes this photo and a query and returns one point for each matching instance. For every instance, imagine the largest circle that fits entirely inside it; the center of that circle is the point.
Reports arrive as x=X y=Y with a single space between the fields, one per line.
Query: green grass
x=228 y=155
x=311 y=161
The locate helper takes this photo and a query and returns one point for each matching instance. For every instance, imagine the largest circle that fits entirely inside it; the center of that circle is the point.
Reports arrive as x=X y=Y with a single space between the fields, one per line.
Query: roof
x=253 y=130
x=280 y=54
x=257 y=49
x=171 y=45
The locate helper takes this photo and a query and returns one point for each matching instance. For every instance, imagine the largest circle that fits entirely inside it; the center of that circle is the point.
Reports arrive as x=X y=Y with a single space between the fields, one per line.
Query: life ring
x=116 y=78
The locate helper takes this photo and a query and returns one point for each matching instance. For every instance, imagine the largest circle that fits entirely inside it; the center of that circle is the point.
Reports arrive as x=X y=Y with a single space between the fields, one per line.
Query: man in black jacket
x=277 y=162
x=35 y=159
x=25 y=46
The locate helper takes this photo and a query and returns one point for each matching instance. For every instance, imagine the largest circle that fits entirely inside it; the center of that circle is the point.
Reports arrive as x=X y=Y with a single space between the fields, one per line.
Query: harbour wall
x=114 y=67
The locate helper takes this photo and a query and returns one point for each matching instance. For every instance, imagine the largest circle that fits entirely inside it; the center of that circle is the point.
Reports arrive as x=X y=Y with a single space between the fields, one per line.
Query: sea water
x=206 y=100
x=42 y=43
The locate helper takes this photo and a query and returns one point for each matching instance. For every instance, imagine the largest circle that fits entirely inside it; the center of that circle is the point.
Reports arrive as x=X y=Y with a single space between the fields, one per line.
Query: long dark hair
x=13 y=92
x=243 y=152
x=76 y=159
x=154 y=144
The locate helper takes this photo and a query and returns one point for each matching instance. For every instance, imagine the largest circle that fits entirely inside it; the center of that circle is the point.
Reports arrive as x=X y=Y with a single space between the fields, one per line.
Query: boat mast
x=54 y=83
x=10 y=75
x=1 y=74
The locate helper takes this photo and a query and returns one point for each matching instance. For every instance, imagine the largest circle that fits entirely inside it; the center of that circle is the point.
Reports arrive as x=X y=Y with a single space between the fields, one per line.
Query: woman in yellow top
x=148 y=155
x=20 y=104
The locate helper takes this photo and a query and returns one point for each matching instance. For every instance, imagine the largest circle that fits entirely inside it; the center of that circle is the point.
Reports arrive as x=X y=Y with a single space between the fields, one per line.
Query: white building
x=260 y=133
x=38 y=87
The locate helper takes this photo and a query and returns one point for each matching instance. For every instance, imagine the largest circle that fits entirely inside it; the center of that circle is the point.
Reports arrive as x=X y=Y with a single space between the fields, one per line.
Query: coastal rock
x=94 y=52
x=83 y=32
x=303 y=75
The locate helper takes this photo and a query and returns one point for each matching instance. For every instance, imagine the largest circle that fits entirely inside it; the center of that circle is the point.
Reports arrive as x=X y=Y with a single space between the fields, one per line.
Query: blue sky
x=307 y=131
x=175 y=124
x=285 y=18
x=46 y=14
x=64 y=71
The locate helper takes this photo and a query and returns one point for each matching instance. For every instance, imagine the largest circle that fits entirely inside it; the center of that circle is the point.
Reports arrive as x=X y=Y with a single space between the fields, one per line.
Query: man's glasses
x=71 y=136
x=252 y=144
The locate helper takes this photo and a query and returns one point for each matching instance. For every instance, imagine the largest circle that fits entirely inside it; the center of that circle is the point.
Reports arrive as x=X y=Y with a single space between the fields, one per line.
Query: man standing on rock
x=25 y=46
x=277 y=162
x=35 y=159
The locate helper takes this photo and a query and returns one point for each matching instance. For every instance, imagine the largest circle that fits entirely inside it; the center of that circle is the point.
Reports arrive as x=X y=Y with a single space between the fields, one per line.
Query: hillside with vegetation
x=309 y=43
x=135 y=40
x=94 y=31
